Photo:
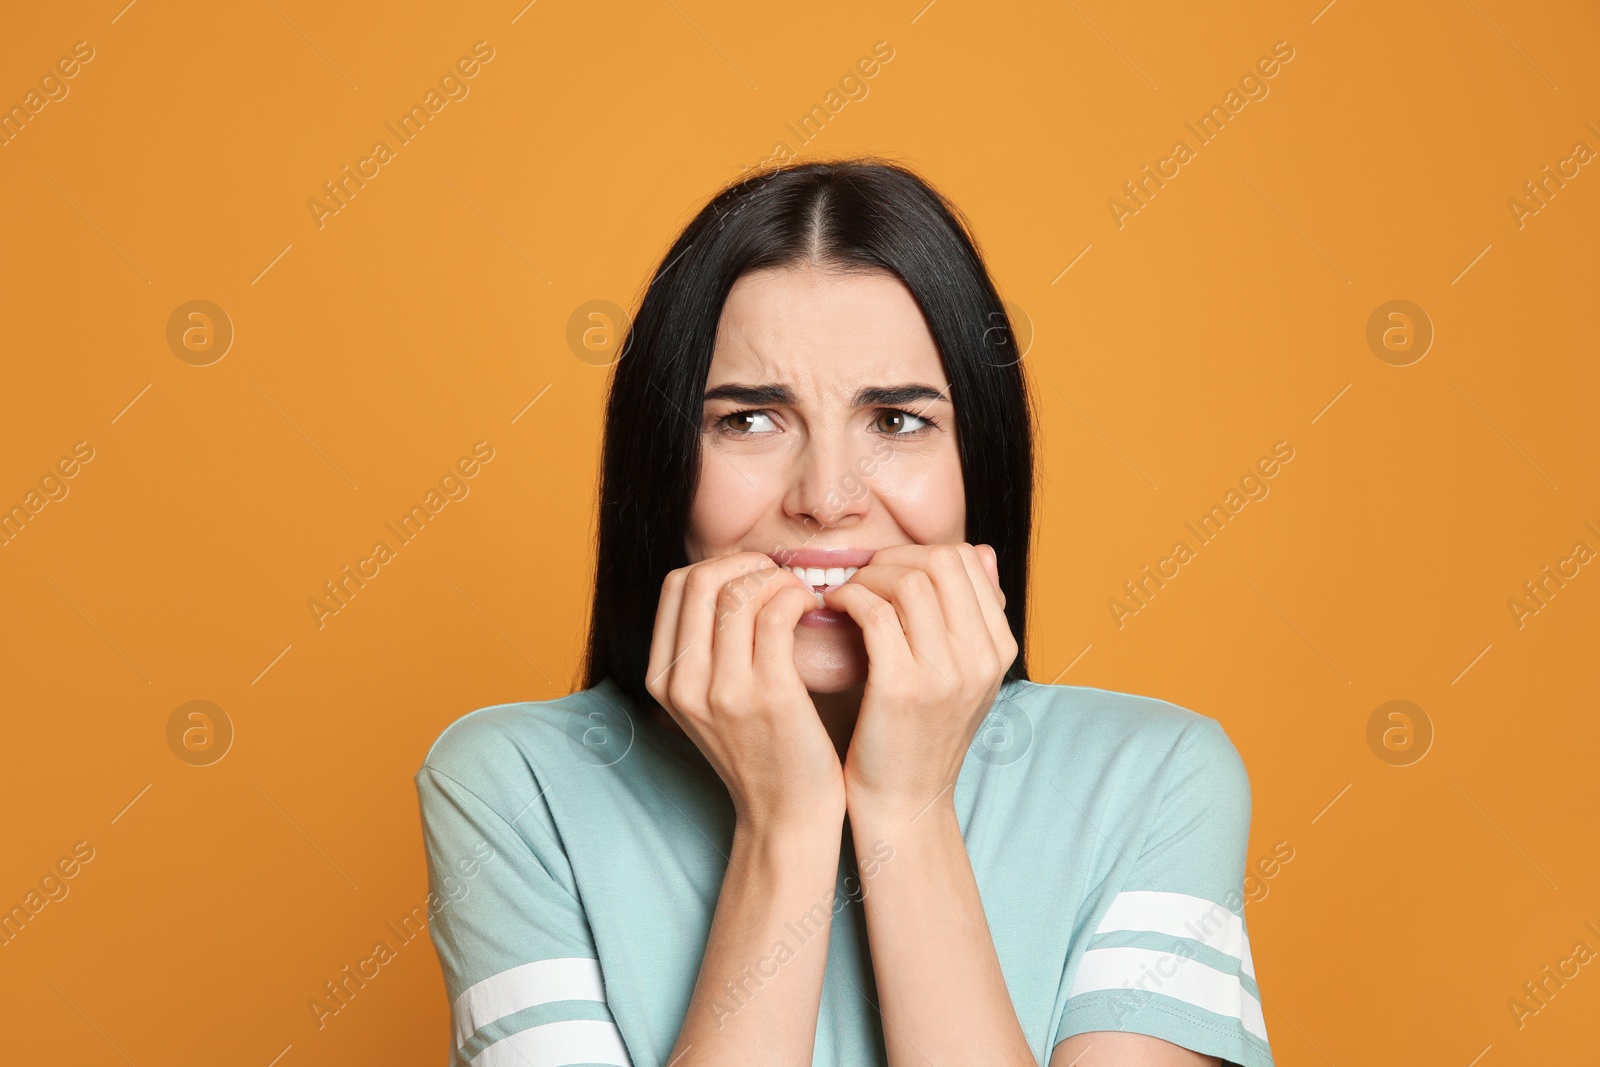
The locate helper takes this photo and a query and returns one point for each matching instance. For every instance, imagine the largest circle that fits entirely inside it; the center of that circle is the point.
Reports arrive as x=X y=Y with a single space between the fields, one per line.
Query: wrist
x=899 y=813
x=819 y=827
x=778 y=862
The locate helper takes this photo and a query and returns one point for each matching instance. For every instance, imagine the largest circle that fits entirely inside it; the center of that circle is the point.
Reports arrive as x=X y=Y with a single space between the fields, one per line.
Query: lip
x=826 y=619
x=823 y=557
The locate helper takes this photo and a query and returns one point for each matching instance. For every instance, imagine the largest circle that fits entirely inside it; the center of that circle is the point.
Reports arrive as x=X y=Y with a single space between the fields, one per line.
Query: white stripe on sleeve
x=523 y=986
x=1171 y=974
x=554 y=1044
x=1175 y=973
x=1179 y=915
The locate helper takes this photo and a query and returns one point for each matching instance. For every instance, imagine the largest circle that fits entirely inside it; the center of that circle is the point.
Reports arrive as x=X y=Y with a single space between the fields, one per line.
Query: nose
x=827 y=487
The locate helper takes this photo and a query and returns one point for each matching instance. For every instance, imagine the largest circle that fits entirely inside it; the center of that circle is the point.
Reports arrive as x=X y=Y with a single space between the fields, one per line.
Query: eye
x=743 y=428
x=897 y=425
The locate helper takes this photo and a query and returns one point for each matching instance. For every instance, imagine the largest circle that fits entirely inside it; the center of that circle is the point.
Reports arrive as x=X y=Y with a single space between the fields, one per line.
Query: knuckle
x=722 y=697
x=681 y=694
x=731 y=597
x=912 y=582
x=771 y=619
x=945 y=556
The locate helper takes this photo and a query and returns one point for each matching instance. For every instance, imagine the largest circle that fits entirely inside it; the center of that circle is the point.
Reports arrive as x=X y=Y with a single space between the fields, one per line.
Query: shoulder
x=500 y=748
x=1140 y=742
x=1116 y=719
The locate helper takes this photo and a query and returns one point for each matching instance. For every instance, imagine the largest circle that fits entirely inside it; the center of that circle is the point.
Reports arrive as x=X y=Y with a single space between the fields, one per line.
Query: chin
x=831 y=662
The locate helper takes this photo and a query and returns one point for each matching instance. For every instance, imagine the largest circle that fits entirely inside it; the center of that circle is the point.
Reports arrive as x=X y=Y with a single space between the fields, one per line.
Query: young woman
x=808 y=808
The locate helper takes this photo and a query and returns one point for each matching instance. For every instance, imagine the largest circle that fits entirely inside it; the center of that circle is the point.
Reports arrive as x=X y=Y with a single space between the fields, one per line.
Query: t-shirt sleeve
x=1170 y=953
x=519 y=960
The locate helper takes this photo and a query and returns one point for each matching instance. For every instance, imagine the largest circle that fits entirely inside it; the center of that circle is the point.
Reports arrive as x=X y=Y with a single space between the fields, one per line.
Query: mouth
x=821 y=579
x=823 y=569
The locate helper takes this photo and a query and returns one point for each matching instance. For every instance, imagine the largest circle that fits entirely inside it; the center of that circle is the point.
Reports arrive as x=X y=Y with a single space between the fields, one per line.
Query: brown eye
x=893 y=421
x=737 y=425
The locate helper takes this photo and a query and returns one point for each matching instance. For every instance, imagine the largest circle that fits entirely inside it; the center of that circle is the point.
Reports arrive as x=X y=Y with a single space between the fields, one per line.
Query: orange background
x=372 y=352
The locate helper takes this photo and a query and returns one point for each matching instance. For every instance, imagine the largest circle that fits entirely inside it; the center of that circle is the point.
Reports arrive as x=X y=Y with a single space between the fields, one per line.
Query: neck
x=838 y=713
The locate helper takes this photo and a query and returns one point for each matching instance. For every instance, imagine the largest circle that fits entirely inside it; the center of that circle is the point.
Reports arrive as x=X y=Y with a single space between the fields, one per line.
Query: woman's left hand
x=938 y=647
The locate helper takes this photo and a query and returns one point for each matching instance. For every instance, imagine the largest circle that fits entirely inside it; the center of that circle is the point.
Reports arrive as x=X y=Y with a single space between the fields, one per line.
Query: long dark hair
x=861 y=214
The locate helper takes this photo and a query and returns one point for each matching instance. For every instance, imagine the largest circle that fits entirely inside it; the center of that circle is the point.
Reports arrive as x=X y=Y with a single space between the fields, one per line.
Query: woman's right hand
x=722 y=664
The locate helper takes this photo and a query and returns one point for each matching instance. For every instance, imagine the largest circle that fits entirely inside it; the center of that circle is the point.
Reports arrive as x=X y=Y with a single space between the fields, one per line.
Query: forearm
x=940 y=989
x=760 y=982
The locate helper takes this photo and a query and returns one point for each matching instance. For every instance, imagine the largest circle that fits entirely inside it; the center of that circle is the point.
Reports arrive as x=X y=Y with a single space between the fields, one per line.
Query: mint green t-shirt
x=576 y=850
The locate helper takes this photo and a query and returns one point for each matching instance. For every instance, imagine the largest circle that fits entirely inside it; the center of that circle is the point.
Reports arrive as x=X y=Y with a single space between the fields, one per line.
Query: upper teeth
x=817 y=577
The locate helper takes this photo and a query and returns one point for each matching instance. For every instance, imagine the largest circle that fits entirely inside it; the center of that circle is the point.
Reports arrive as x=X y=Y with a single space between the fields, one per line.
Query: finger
x=983 y=623
x=991 y=567
x=773 y=654
x=901 y=554
x=916 y=555
x=691 y=671
x=994 y=571
x=955 y=570
x=991 y=600
x=664 y=637
x=962 y=623
x=888 y=653
x=739 y=605
x=914 y=597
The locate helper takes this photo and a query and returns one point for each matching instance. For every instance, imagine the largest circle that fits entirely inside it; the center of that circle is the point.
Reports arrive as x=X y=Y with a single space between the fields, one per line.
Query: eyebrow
x=872 y=395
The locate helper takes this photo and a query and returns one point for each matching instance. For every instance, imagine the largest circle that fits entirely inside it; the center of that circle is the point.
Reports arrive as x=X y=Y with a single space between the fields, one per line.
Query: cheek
x=926 y=496
x=725 y=508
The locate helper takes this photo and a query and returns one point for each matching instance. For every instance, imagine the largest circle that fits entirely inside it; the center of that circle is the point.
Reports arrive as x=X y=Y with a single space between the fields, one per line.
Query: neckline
x=662 y=737
x=682 y=746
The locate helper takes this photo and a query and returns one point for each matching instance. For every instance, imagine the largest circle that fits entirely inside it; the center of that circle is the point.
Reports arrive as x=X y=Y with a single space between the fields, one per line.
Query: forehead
x=824 y=330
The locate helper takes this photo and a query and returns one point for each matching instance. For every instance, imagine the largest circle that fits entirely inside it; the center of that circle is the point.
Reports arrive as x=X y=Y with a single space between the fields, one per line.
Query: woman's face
x=828 y=432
